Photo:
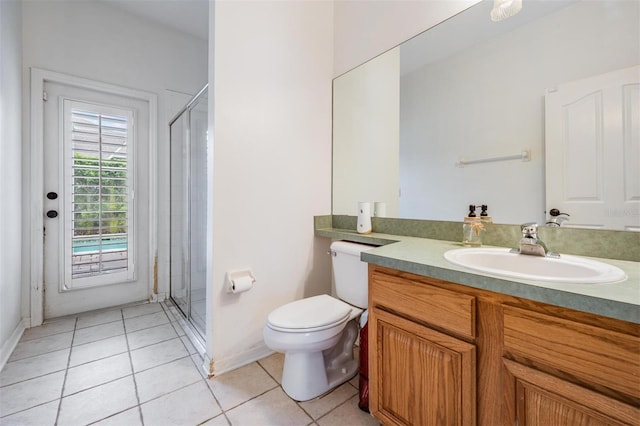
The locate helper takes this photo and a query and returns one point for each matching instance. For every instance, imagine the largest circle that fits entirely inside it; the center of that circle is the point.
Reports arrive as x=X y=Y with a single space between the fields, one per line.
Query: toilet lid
x=312 y=312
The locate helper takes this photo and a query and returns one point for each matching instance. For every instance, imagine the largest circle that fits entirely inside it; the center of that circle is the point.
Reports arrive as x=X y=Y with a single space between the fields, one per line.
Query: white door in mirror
x=593 y=151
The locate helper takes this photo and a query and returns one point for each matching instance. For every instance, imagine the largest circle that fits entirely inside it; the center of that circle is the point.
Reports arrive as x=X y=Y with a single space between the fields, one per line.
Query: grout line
x=112 y=415
x=34 y=377
x=23 y=340
x=97 y=325
x=250 y=399
x=170 y=392
x=66 y=372
x=39 y=354
x=4 y=416
x=161 y=365
x=133 y=373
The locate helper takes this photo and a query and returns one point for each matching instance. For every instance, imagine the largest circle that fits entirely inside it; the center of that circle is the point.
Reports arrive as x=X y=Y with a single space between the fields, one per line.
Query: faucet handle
x=529 y=230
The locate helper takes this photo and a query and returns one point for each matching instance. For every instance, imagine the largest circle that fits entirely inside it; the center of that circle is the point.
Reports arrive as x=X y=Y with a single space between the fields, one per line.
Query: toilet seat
x=308 y=315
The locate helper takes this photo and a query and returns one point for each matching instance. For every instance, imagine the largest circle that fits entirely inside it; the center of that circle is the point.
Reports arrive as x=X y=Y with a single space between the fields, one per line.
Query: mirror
x=470 y=90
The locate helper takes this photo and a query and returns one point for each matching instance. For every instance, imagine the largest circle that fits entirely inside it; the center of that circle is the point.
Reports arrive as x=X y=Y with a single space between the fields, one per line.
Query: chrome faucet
x=530 y=244
x=557 y=218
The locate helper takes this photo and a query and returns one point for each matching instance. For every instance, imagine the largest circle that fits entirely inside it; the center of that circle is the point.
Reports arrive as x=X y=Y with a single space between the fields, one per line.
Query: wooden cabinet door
x=534 y=398
x=419 y=376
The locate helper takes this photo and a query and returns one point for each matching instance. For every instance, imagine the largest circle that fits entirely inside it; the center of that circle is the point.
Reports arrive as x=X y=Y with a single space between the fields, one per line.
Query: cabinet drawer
x=592 y=354
x=448 y=310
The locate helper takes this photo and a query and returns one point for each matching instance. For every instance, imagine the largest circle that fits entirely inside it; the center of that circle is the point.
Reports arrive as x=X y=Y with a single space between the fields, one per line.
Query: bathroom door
x=96 y=200
x=592 y=144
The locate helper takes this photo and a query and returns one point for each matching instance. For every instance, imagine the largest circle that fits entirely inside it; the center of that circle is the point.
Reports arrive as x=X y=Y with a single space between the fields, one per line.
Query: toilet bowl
x=317 y=333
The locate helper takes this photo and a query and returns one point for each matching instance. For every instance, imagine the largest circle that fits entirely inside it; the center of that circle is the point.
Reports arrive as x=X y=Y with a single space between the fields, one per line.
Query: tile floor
x=135 y=366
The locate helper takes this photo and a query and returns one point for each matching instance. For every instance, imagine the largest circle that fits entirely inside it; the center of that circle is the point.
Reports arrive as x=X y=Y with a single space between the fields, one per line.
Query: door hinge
x=45 y=97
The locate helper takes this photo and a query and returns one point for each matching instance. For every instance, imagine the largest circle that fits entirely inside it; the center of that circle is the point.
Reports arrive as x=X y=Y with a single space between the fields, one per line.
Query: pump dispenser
x=472 y=229
x=484 y=216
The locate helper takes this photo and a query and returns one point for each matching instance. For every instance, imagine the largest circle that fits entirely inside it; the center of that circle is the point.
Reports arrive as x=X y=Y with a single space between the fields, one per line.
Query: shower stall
x=188 y=211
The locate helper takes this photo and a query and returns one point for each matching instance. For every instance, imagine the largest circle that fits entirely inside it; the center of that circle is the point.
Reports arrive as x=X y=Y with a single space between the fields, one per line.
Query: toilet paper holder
x=240 y=280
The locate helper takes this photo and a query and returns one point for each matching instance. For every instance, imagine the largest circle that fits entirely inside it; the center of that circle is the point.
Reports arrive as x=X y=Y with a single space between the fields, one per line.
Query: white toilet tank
x=350 y=273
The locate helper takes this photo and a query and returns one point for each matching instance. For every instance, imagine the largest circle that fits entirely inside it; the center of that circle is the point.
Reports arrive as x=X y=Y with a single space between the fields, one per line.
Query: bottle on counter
x=472 y=228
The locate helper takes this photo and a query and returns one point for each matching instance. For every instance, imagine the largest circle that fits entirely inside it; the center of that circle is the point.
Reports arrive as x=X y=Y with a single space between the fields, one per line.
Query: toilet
x=316 y=334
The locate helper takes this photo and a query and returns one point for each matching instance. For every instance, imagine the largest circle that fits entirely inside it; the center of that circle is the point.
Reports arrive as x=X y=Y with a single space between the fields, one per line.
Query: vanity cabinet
x=421 y=353
x=446 y=354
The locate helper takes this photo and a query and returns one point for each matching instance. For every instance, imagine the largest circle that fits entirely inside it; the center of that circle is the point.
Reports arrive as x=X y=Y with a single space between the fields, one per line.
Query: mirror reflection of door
x=94 y=161
x=593 y=150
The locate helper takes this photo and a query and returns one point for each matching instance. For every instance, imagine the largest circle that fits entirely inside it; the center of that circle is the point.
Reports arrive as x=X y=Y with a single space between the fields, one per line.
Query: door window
x=99 y=193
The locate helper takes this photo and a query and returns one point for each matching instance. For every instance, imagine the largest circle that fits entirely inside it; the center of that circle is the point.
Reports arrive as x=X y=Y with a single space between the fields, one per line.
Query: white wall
x=98 y=41
x=365 y=29
x=488 y=101
x=271 y=117
x=10 y=172
x=366 y=135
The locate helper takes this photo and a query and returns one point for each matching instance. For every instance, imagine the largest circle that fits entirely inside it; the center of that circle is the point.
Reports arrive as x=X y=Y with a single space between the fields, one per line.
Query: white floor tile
x=273 y=364
x=198 y=361
x=28 y=368
x=178 y=328
x=98 y=332
x=97 y=350
x=188 y=406
x=131 y=417
x=188 y=345
x=98 y=317
x=166 y=378
x=175 y=312
x=98 y=403
x=41 y=346
x=169 y=311
x=273 y=408
x=158 y=354
x=318 y=407
x=42 y=415
x=145 y=321
x=28 y=394
x=152 y=335
x=144 y=309
x=169 y=388
x=237 y=386
x=219 y=420
x=55 y=326
x=95 y=373
x=348 y=414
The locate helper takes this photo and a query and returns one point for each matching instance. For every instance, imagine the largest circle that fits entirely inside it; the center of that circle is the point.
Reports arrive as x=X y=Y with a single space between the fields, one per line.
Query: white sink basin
x=566 y=269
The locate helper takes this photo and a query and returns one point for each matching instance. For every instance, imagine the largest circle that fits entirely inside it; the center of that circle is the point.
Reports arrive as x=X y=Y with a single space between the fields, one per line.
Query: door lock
x=52 y=214
x=52 y=195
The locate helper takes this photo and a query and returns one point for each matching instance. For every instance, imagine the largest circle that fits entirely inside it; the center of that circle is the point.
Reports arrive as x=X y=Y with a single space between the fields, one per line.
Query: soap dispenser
x=472 y=229
x=364 y=218
x=484 y=215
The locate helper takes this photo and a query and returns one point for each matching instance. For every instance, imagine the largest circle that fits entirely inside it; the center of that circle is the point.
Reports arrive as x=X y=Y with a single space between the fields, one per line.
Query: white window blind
x=100 y=203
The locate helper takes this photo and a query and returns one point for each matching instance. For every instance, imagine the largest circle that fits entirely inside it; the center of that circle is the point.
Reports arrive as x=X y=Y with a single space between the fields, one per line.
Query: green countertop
x=425 y=257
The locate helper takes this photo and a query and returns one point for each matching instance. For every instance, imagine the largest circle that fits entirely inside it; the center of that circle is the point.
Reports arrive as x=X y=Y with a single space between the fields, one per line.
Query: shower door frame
x=198 y=333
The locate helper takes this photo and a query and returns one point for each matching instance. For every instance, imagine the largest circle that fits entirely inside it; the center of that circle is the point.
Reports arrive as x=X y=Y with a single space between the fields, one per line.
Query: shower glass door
x=189 y=211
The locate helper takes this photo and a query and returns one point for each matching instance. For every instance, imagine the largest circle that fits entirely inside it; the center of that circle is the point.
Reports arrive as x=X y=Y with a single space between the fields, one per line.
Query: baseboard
x=157 y=297
x=9 y=346
x=221 y=366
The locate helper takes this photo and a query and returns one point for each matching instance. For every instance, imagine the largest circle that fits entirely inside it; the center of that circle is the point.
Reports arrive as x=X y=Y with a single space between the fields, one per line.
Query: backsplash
x=622 y=245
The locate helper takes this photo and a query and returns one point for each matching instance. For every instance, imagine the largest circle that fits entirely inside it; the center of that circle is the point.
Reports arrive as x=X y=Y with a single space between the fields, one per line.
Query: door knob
x=52 y=195
x=52 y=213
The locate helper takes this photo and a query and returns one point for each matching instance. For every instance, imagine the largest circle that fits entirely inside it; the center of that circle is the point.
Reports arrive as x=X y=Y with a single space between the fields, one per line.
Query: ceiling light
x=503 y=9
